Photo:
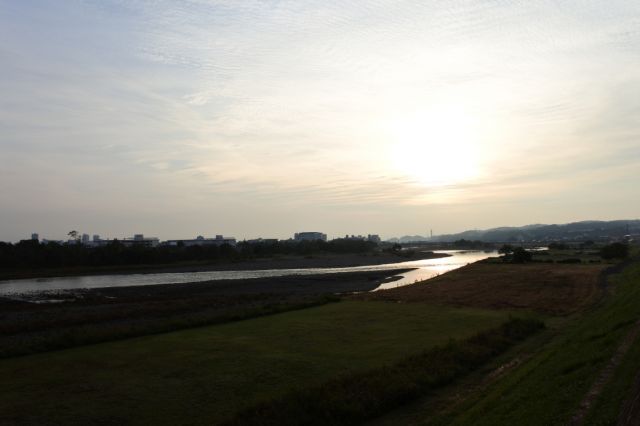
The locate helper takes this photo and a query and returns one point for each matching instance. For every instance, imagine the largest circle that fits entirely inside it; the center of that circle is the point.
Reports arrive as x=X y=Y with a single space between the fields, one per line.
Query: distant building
x=309 y=236
x=202 y=241
x=35 y=237
x=374 y=238
x=141 y=240
x=85 y=239
x=262 y=241
x=45 y=241
x=96 y=241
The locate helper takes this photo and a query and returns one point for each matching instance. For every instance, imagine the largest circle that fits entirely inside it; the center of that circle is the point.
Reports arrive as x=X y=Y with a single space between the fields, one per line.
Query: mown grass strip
x=355 y=398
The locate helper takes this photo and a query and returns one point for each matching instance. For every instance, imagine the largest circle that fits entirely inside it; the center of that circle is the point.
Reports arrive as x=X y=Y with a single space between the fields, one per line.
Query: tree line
x=33 y=254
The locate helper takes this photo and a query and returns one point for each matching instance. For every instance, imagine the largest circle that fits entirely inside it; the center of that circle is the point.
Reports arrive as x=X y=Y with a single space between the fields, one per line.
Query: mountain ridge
x=582 y=230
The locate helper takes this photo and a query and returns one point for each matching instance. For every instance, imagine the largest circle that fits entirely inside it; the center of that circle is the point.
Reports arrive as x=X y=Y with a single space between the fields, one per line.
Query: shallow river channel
x=425 y=269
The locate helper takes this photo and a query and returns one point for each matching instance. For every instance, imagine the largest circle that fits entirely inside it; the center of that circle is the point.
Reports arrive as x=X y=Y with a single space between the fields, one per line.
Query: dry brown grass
x=550 y=288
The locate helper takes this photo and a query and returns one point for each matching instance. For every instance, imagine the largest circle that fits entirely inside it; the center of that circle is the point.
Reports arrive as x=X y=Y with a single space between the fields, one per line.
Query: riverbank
x=281 y=262
x=86 y=316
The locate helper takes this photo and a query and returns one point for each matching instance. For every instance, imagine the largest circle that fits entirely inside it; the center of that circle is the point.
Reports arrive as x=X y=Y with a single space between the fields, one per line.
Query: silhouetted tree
x=506 y=249
x=520 y=255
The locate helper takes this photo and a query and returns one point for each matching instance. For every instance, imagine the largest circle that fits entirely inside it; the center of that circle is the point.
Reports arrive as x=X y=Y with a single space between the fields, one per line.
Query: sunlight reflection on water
x=429 y=268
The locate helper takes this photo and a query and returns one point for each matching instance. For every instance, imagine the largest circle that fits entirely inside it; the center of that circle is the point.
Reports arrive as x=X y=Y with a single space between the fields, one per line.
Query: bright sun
x=435 y=147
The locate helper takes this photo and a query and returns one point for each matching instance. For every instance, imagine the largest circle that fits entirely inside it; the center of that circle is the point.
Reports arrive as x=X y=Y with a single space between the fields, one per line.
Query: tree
x=615 y=251
x=520 y=255
x=558 y=246
x=506 y=249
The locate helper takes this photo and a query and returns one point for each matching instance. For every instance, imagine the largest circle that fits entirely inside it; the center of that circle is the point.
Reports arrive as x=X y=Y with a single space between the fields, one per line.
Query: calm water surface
x=427 y=268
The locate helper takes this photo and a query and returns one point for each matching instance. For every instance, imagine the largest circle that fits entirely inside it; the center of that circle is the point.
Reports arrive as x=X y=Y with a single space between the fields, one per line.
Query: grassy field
x=547 y=387
x=204 y=375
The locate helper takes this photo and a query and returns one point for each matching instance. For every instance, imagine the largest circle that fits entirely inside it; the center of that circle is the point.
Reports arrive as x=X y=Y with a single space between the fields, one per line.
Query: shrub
x=570 y=260
x=614 y=251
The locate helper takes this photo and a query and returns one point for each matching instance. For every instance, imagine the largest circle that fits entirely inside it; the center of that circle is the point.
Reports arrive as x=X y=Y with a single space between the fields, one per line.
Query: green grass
x=204 y=375
x=549 y=387
x=607 y=408
x=354 y=398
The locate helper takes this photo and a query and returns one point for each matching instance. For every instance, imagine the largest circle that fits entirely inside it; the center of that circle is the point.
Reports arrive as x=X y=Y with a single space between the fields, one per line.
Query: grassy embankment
x=205 y=375
x=355 y=398
x=550 y=380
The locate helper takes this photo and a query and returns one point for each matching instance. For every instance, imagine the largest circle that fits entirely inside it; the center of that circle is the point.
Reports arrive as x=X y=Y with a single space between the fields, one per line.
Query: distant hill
x=576 y=231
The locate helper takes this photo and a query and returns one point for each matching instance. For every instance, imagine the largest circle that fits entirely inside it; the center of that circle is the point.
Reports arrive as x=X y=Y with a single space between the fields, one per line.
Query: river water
x=426 y=268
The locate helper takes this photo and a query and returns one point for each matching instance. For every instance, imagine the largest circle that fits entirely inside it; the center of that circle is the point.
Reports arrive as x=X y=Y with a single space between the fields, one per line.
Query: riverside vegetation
x=28 y=255
x=468 y=347
x=32 y=259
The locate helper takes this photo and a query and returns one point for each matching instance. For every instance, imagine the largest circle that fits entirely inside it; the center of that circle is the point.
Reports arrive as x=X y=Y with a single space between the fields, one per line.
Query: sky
x=264 y=118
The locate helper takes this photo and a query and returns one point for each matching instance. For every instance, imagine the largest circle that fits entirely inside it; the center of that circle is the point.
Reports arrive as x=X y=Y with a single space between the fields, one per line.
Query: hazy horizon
x=264 y=118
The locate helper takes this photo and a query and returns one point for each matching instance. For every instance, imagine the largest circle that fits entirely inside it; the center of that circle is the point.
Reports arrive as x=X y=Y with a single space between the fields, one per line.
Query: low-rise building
x=262 y=241
x=309 y=236
x=374 y=238
x=141 y=240
x=354 y=237
x=202 y=241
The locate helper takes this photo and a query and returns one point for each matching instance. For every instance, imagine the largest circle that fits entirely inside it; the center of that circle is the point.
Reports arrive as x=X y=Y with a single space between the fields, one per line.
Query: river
x=425 y=269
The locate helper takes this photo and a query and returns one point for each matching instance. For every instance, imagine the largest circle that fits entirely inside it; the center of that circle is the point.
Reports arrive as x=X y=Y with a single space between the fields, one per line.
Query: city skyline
x=262 y=118
x=88 y=238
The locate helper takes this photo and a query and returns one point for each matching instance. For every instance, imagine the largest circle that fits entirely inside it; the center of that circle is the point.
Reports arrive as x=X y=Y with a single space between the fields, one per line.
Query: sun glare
x=435 y=147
